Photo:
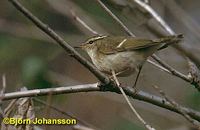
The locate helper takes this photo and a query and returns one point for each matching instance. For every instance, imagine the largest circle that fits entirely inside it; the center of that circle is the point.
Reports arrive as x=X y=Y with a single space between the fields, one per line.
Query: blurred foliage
x=14 y=50
x=193 y=100
x=34 y=73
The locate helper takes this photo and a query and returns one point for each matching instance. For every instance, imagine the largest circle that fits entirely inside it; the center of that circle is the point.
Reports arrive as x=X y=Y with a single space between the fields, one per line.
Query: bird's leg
x=114 y=76
x=111 y=76
x=137 y=77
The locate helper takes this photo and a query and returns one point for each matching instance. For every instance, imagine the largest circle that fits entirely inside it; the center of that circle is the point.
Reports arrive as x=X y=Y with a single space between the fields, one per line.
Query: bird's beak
x=79 y=46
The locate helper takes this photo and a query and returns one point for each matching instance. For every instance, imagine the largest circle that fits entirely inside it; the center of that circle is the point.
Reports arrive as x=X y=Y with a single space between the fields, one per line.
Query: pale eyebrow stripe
x=97 y=38
x=121 y=43
x=100 y=37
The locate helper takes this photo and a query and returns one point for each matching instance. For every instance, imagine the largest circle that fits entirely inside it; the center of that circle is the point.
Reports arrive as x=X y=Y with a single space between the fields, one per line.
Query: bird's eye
x=90 y=42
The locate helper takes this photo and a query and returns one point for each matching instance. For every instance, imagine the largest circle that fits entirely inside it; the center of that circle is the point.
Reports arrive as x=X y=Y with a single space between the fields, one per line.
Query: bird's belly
x=123 y=63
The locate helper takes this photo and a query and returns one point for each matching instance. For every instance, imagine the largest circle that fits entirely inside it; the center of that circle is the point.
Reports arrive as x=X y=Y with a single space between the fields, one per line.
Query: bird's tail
x=168 y=40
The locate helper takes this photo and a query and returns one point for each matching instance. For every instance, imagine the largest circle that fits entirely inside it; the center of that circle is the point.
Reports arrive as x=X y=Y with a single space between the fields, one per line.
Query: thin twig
x=179 y=74
x=83 y=23
x=3 y=87
x=172 y=70
x=140 y=95
x=130 y=105
x=150 y=10
x=116 y=18
x=159 y=66
x=182 y=111
x=81 y=127
x=10 y=106
x=2 y=94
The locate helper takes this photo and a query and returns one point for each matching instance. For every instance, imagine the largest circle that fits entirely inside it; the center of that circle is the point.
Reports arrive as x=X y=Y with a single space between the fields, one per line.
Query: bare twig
x=129 y=103
x=10 y=106
x=182 y=111
x=55 y=91
x=192 y=69
x=2 y=94
x=194 y=74
x=170 y=69
x=140 y=95
x=151 y=11
x=159 y=66
x=81 y=127
x=3 y=87
x=190 y=24
x=183 y=17
x=83 y=23
x=65 y=7
x=116 y=18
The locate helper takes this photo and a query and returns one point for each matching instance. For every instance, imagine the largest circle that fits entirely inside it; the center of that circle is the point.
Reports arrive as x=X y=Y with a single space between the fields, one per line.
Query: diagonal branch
x=151 y=11
x=182 y=111
x=147 y=126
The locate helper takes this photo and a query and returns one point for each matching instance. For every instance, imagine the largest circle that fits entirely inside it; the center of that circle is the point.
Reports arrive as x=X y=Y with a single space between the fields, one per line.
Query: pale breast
x=124 y=63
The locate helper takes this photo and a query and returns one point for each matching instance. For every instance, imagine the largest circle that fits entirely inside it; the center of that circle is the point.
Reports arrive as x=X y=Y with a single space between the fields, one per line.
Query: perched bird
x=124 y=55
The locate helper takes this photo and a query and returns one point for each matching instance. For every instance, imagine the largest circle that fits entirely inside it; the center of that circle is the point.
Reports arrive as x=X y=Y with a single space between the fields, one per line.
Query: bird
x=124 y=55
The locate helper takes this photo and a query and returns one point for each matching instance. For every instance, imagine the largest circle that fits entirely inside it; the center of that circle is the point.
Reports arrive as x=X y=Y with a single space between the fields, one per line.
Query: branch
x=83 y=23
x=176 y=105
x=140 y=95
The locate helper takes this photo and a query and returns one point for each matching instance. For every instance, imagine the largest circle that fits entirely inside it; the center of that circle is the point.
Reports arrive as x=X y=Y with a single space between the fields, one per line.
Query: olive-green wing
x=120 y=44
